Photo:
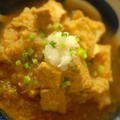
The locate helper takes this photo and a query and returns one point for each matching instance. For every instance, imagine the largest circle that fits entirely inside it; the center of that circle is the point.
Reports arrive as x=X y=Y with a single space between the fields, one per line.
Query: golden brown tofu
x=100 y=85
x=49 y=76
x=77 y=14
x=103 y=58
x=88 y=30
x=51 y=11
x=53 y=100
x=103 y=99
x=80 y=80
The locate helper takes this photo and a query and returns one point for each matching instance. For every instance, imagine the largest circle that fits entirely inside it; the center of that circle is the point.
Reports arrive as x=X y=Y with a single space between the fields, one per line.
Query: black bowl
x=109 y=9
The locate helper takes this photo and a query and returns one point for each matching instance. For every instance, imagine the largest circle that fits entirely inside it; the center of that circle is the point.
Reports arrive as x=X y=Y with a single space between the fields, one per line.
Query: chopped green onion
x=31 y=37
x=44 y=42
x=64 y=34
x=57 y=27
x=18 y=62
x=88 y=63
x=25 y=54
x=95 y=74
x=72 y=53
x=42 y=35
x=63 y=45
x=78 y=39
x=82 y=52
x=26 y=65
x=100 y=69
x=53 y=44
x=65 y=84
x=66 y=79
x=27 y=80
x=30 y=51
x=76 y=68
x=35 y=61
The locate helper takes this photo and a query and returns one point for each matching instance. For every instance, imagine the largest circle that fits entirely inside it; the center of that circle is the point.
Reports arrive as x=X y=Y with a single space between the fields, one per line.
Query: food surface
x=52 y=61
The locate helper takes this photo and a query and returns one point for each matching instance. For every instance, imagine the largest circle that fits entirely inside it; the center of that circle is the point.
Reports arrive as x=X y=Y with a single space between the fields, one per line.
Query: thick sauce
x=27 y=109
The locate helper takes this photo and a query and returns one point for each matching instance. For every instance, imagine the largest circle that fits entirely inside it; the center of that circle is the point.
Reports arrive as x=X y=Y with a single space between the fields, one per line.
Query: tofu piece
x=77 y=14
x=100 y=85
x=51 y=10
x=56 y=10
x=48 y=76
x=88 y=30
x=103 y=100
x=103 y=58
x=80 y=80
x=53 y=100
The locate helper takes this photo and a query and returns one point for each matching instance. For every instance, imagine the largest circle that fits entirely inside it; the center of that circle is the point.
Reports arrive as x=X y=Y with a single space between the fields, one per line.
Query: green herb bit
x=31 y=37
x=100 y=69
x=44 y=42
x=66 y=79
x=27 y=80
x=57 y=26
x=89 y=63
x=64 y=34
x=25 y=54
x=53 y=44
x=30 y=51
x=42 y=35
x=63 y=45
x=78 y=39
x=82 y=52
x=95 y=74
x=72 y=52
x=35 y=61
x=18 y=62
x=65 y=84
x=26 y=65
x=76 y=68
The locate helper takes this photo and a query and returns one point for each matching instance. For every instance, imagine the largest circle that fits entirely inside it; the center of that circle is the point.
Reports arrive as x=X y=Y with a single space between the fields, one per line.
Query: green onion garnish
x=31 y=37
x=53 y=44
x=82 y=52
x=26 y=65
x=27 y=80
x=95 y=74
x=65 y=84
x=78 y=39
x=63 y=45
x=64 y=34
x=30 y=51
x=89 y=63
x=42 y=35
x=76 y=68
x=100 y=69
x=18 y=62
x=72 y=53
x=35 y=61
x=25 y=54
x=57 y=27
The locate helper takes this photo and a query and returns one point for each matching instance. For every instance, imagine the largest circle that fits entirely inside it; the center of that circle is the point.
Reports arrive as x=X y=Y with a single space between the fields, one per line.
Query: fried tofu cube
x=103 y=100
x=100 y=85
x=49 y=76
x=88 y=30
x=80 y=80
x=103 y=58
x=53 y=100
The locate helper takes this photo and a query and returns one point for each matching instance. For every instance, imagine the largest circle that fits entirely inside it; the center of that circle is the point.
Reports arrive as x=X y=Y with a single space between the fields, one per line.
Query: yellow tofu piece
x=49 y=76
x=103 y=99
x=53 y=100
x=88 y=30
x=80 y=80
x=103 y=58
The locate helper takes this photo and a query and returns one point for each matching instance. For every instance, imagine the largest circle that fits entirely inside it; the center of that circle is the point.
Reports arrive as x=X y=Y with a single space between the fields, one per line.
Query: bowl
x=110 y=11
